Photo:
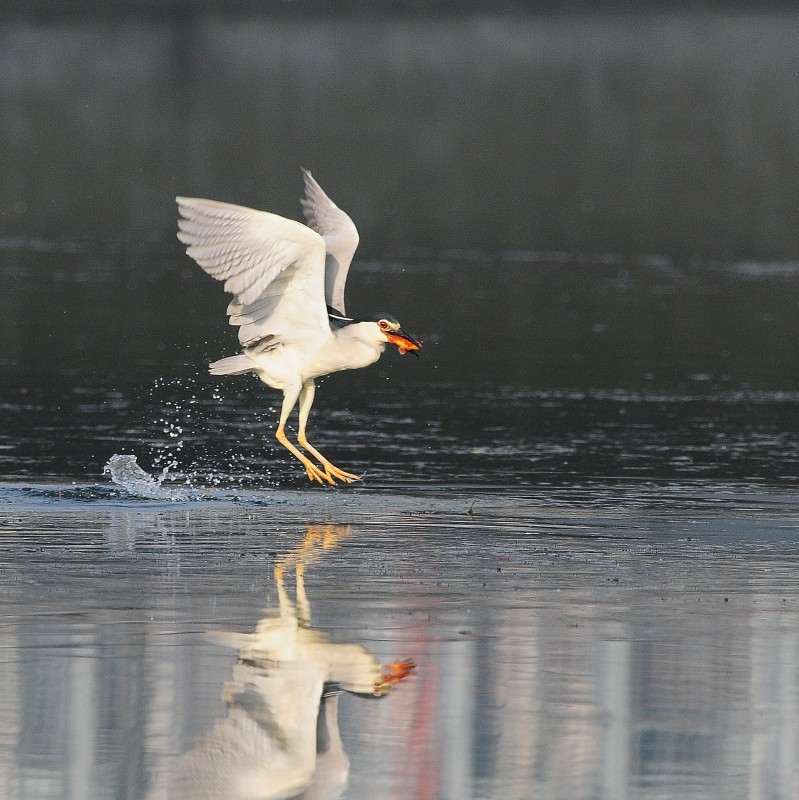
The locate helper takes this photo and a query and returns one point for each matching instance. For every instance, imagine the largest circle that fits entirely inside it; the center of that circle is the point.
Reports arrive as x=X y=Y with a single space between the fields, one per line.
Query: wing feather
x=273 y=266
x=339 y=233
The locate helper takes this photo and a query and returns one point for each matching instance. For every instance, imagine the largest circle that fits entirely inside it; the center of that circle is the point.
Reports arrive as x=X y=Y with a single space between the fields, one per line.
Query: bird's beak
x=404 y=341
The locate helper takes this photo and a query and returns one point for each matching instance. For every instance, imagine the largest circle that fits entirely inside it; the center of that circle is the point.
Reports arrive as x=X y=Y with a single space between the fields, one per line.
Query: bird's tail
x=233 y=365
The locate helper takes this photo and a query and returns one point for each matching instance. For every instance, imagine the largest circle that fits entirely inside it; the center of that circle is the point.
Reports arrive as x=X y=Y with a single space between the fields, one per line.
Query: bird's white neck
x=351 y=347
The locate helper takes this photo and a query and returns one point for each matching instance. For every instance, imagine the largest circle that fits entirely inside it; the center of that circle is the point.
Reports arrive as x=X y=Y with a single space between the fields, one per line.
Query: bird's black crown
x=338 y=320
x=377 y=316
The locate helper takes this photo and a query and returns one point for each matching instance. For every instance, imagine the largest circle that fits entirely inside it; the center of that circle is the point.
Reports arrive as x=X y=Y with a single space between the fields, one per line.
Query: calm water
x=598 y=641
x=570 y=570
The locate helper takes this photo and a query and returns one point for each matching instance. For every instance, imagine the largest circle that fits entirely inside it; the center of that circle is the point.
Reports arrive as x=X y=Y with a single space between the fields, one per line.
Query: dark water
x=593 y=370
x=578 y=520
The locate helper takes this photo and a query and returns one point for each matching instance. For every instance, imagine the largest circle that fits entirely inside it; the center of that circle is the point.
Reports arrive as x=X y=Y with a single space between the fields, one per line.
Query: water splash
x=127 y=474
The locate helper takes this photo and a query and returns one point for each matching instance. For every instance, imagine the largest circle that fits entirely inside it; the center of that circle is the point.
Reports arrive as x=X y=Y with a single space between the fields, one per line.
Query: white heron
x=288 y=282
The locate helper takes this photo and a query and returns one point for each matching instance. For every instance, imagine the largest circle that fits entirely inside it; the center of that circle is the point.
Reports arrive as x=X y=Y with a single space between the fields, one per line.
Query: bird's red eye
x=383 y=324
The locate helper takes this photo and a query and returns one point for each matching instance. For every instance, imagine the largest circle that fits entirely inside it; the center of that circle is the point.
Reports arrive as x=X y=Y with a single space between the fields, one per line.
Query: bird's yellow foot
x=316 y=474
x=331 y=472
x=339 y=474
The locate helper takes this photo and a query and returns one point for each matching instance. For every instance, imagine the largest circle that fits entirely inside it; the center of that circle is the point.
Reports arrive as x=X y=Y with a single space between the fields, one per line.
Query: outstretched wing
x=339 y=233
x=273 y=266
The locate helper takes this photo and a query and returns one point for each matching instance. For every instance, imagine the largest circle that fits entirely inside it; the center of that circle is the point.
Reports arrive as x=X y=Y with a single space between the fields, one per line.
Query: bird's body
x=288 y=281
x=351 y=347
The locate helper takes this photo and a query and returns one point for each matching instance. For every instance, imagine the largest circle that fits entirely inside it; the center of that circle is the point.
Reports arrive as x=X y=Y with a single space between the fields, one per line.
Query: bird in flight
x=287 y=280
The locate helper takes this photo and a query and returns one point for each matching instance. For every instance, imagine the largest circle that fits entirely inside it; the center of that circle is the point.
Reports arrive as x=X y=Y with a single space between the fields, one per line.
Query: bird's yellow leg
x=287 y=612
x=314 y=473
x=331 y=471
x=303 y=604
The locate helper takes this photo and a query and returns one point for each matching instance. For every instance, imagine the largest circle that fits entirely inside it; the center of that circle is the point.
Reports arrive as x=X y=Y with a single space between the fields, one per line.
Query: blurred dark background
x=669 y=130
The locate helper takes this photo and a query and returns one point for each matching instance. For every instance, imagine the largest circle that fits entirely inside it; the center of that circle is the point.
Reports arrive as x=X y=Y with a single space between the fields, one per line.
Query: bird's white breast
x=351 y=347
x=348 y=348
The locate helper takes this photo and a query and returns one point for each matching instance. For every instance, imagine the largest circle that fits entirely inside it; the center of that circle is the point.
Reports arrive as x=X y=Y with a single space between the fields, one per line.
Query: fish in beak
x=404 y=341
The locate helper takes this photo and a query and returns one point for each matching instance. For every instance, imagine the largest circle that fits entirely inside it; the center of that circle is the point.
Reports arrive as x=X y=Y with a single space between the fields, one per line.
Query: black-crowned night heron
x=288 y=284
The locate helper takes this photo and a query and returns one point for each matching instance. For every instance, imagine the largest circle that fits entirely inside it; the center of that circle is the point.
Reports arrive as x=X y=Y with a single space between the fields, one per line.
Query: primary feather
x=339 y=233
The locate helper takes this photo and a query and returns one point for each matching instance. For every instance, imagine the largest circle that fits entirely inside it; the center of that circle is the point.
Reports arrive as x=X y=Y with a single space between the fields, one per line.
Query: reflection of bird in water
x=280 y=735
x=288 y=285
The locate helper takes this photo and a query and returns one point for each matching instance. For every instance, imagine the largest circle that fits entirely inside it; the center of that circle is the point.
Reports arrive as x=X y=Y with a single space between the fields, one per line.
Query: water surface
x=574 y=547
x=592 y=641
